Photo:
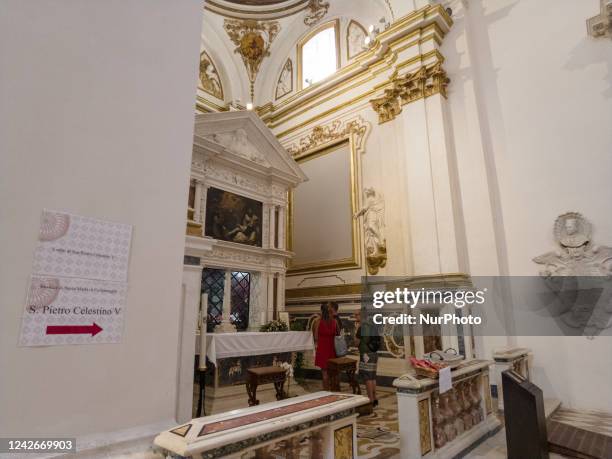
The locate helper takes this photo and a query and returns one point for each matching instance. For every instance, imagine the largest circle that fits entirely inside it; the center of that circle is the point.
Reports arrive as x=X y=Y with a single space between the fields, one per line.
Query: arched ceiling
x=256 y=9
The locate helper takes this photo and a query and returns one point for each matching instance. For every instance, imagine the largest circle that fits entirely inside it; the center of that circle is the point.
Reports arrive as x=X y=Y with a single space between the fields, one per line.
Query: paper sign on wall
x=84 y=247
x=77 y=294
x=65 y=310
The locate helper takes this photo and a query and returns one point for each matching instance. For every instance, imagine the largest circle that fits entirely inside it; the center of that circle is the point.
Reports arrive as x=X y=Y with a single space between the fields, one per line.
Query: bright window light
x=319 y=57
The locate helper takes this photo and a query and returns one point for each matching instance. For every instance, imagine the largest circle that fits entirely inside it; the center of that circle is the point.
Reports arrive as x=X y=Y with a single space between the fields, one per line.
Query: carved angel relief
x=577 y=271
x=237 y=142
x=209 y=77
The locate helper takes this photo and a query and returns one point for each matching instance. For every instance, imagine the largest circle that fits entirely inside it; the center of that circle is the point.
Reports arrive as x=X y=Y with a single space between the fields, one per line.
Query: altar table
x=240 y=344
x=322 y=424
x=232 y=354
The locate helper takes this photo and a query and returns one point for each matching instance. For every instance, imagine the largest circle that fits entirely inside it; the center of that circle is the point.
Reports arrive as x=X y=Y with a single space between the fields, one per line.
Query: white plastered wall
x=96 y=119
x=531 y=104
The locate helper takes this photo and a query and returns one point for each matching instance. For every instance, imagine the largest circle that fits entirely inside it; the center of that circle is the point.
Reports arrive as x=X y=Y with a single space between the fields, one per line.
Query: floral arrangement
x=289 y=371
x=274 y=326
x=287 y=367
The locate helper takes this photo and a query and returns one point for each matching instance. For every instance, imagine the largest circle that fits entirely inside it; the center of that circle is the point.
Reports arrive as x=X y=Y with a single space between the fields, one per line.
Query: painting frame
x=233 y=218
x=354 y=260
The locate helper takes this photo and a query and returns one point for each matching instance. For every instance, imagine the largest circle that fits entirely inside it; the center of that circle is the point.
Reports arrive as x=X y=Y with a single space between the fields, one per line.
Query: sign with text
x=64 y=310
x=88 y=248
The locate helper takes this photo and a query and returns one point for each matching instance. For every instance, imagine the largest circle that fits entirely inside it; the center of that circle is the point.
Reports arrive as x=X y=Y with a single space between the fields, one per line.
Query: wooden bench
x=265 y=375
x=336 y=366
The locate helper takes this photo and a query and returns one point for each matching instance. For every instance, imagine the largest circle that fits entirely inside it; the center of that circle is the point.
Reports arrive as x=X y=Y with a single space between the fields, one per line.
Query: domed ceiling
x=257 y=9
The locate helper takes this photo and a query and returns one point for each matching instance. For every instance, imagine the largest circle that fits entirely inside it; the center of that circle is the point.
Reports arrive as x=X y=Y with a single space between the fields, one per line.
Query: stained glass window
x=241 y=291
x=212 y=283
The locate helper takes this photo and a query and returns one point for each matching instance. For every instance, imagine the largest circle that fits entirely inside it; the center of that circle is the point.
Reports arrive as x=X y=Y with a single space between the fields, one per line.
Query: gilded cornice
x=419 y=84
x=323 y=135
x=390 y=54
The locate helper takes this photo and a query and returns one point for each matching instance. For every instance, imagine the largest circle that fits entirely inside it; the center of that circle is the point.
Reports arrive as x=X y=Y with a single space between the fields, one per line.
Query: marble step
x=550 y=406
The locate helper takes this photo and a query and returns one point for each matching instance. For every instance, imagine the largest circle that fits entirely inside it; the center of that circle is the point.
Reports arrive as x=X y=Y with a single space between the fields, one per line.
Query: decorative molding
x=338 y=130
x=284 y=85
x=210 y=82
x=601 y=25
x=409 y=42
x=328 y=290
x=388 y=2
x=405 y=89
x=317 y=9
x=252 y=39
x=238 y=143
x=387 y=106
x=355 y=36
x=256 y=9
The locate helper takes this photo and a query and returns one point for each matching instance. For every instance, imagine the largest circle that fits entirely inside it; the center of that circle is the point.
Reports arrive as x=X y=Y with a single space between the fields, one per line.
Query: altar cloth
x=240 y=344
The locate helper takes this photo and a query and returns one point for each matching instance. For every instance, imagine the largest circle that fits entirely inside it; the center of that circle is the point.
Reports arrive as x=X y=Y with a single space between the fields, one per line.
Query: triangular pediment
x=242 y=135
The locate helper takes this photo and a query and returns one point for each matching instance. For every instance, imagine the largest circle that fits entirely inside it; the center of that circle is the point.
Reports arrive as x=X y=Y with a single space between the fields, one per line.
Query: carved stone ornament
x=285 y=81
x=252 y=39
x=601 y=25
x=422 y=83
x=317 y=9
x=355 y=39
x=320 y=135
x=374 y=230
x=577 y=255
x=209 y=77
x=576 y=270
x=238 y=143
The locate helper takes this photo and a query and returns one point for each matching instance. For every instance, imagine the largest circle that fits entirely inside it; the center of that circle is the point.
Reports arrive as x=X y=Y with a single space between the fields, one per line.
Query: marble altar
x=439 y=426
x=231 y=354
x=326 y=419
x=223 y=346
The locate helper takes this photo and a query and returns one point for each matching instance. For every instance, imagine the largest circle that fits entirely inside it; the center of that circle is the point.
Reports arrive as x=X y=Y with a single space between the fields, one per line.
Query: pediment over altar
x=239 y=139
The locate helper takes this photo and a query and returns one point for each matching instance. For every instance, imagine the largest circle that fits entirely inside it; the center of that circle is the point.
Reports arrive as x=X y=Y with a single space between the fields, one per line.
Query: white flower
x=288 y=368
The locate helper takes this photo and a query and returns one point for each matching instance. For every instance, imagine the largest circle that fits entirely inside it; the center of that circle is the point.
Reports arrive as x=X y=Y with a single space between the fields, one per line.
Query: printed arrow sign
x=94 y=329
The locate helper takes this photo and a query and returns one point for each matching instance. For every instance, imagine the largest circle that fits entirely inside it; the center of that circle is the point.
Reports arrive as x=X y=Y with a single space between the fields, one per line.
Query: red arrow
x=94 y=329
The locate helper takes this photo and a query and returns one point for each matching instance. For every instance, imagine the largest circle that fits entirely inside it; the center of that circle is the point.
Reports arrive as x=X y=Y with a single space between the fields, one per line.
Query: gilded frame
x=354 y=261
x=335 y=23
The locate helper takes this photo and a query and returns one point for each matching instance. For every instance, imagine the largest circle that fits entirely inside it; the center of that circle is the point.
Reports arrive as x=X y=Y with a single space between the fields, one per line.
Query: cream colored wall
x=531 y=104
x=96 y=119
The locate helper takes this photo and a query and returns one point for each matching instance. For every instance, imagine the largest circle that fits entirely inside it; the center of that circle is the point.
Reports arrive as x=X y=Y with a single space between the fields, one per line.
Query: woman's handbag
x=340 y=346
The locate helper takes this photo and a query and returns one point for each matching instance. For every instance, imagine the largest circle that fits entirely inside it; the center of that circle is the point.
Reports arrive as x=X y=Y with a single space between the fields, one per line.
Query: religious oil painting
x=343 y=443
x=233 y=218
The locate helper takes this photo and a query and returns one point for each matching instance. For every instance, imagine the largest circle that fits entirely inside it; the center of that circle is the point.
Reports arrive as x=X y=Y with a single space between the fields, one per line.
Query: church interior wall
x=530 y=114
x=61 y=156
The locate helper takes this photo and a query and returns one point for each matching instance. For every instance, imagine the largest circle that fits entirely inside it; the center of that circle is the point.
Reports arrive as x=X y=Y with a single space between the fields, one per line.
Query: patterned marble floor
x=377 y=433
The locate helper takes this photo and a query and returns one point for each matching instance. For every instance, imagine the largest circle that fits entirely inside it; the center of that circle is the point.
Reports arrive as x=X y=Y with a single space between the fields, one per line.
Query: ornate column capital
x=422 y=83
